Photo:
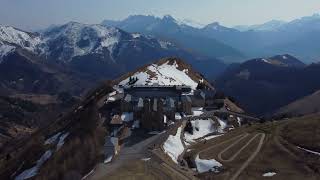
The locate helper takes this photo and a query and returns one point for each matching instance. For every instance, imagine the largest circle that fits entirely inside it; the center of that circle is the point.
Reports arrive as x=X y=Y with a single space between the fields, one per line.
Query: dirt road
x=127 y=154
x=239 y=138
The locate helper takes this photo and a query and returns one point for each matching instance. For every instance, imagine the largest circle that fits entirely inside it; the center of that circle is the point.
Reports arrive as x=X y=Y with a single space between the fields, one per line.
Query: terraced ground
x=246 y=153
x=249 y=152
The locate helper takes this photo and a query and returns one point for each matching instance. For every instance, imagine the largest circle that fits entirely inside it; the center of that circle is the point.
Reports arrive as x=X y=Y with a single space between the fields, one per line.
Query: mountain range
x=80 y=52
x=214 y=40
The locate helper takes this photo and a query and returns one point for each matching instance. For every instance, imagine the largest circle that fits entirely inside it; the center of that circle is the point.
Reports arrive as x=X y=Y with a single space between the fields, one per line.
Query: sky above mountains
x=36 y=14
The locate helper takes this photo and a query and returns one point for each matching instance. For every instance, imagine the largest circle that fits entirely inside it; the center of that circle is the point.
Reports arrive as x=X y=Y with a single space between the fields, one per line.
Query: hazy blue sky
x=30 y=14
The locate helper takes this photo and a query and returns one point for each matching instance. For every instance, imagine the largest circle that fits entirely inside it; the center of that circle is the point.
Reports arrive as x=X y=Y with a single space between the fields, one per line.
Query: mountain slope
x=165 y=72
x=272 y=25
x=184 y=35
x=23 y=72
x=264 y=85
x=92 y=52
x=16 y=37
x=307 y=105
x=108 y=52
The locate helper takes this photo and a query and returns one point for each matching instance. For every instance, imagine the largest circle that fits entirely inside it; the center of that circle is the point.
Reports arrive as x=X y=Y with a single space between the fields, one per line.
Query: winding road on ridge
x=239 y=138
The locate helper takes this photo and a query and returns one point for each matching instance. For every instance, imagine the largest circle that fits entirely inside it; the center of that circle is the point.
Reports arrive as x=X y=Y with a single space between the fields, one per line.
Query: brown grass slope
x=307 y=105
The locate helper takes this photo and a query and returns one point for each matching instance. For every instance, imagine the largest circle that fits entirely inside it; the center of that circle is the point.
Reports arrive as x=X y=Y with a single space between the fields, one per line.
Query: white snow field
x=165 y=74
x=5 y=50
x=269 y=174
x=61 y=140
x=53 y=139
x=204 y=165
x=20 y=38
x=197 y=111
x=127 y=116
x=173 y=146
x=202 y=128
x=309 y=151
x=34 y=170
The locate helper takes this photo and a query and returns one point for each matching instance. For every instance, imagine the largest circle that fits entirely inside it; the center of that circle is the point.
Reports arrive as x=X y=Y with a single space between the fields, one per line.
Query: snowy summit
x=168 y=72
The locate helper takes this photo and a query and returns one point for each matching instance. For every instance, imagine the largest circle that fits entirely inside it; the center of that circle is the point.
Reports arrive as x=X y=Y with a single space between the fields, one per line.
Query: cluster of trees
x=132 y=80
x=201 y=85
x=189 y=127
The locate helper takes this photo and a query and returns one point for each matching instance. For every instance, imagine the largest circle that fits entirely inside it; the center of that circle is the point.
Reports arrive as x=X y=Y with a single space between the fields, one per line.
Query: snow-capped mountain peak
x=80 y=39
x=5 y=49
x=166 y=72
x=19 y=38
x=191 y=23
x=285 y=60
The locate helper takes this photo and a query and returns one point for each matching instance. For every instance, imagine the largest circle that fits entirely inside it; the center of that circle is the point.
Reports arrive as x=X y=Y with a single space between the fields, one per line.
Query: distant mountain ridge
x=94 y=51
x=182 y=34
x=304 y=106
x=272 y=25
x=263 y=85
x=296 y=37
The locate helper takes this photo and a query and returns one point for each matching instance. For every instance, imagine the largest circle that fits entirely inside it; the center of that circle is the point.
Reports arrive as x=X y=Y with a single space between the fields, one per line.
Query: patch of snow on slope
x=191 y=23
x=136 y=35
x=142 y=79
x=173 y=146
x=87 y=175
x=145 y=159
x=201 y=128
x=127 y=116
x=97 y=36
x=108 y=160
x=61 y=140
x=177 y=116
x=269 y=174
x=164 y=44
x=114 y=141
x=5 y=50
x=223 y=125
x=239 y=121
x=212 y=137
x=197 y=111
x=204 y=165
x=52 y=139
x=309 y=151
x=164 y=74
x=266 y=61
x=14 y=36
x=34 y=170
